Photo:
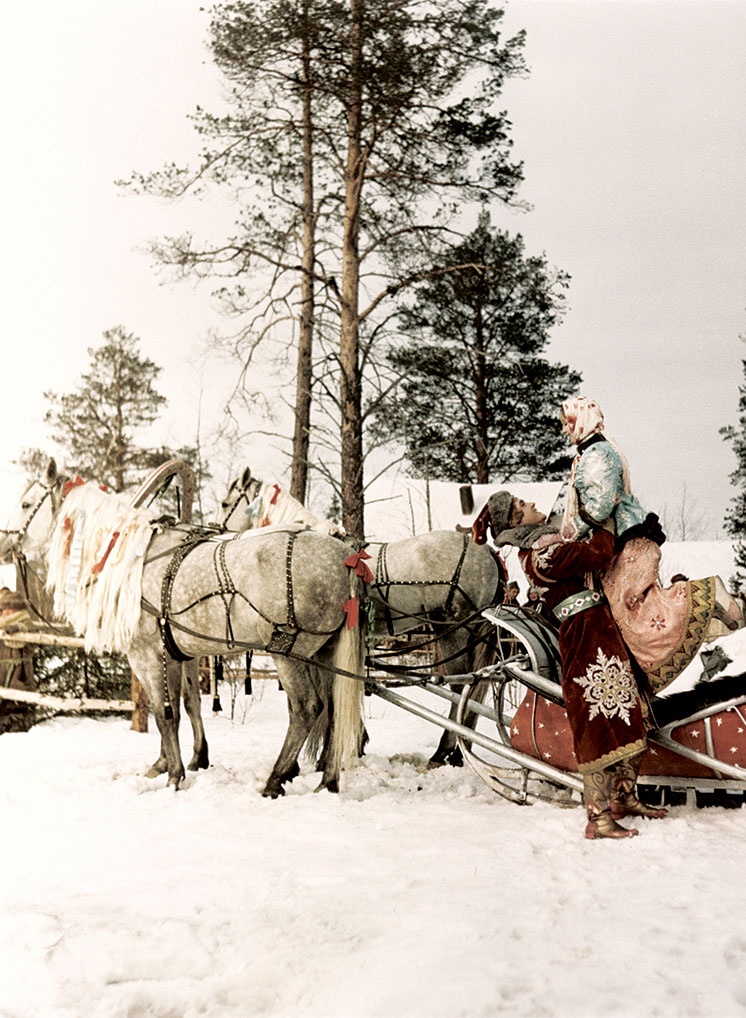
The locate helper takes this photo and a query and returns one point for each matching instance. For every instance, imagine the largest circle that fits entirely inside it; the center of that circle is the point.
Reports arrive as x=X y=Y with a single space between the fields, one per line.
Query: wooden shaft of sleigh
x=69 y=704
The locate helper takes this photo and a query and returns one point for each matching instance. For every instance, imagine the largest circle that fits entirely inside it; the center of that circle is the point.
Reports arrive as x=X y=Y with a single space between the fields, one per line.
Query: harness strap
x=383 y=580
x=284 y=636
x=226 y=589
x=169 y=647
x=457 y=575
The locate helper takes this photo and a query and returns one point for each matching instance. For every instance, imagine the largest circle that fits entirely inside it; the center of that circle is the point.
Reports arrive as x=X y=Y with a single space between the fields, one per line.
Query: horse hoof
x=329 y=786
x=273 y=792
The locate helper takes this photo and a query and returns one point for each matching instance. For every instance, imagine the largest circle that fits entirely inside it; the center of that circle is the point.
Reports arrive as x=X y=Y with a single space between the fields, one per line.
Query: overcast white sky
x=631 y=127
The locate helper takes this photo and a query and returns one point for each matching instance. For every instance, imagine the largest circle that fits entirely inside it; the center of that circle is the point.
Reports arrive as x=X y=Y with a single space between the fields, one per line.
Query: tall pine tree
x=360 y=127
x=472 y=397
x=99 y=423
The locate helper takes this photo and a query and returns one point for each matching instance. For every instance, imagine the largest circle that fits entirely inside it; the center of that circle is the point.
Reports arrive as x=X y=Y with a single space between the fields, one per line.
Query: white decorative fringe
x=285 y=509
x=102 y=604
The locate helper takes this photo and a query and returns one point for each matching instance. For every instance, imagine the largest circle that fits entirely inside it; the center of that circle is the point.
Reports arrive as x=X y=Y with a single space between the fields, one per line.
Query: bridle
x=252 y=506
x=20 y=532
x=23 y=568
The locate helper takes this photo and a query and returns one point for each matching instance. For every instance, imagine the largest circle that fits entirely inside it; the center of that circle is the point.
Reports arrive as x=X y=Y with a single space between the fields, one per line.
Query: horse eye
x=25 y=505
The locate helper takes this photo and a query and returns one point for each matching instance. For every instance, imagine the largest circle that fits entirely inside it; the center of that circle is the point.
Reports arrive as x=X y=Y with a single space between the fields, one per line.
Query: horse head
x=244 y=489
x=265 y=505
x=29 y=528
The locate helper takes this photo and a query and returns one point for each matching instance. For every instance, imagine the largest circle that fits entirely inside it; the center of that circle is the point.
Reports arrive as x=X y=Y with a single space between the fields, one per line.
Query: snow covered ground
x=412 y=894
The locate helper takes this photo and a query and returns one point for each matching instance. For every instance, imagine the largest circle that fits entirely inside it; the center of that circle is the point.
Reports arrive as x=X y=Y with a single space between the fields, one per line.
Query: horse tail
x=347 y=691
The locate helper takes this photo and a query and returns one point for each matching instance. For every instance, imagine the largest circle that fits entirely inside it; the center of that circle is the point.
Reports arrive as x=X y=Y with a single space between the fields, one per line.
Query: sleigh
x=513 y=730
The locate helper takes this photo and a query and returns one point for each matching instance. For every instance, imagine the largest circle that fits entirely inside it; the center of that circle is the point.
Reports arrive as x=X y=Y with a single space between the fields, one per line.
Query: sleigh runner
x=521 y=743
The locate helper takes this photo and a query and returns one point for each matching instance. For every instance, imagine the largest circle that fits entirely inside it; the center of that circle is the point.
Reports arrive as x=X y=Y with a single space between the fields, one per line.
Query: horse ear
x=245 y=477
x=50 y=475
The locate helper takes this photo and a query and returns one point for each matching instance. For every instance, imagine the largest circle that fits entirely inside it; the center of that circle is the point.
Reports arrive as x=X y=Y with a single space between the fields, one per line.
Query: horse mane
x=278 y=507
x=96 y=558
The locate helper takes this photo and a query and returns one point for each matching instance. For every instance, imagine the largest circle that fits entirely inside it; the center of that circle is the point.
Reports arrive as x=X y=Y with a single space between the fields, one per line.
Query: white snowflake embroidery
x=609 y=687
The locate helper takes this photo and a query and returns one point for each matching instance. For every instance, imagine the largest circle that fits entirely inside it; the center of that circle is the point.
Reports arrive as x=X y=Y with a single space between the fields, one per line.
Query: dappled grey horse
x=441 y=579
x=160 y=594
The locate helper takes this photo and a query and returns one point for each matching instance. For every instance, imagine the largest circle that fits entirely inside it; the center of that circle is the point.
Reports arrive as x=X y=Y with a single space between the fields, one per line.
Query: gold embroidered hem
x=701 y=600
x=620 y=753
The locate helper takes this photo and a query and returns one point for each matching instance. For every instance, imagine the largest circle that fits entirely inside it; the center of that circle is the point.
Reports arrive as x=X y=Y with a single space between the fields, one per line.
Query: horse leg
x=448 y=751
x=480 y=650
x=324 y=724
x=193 y=706
x=319 y=744
x=146 y=663
x=304 y=707
x=455 y=644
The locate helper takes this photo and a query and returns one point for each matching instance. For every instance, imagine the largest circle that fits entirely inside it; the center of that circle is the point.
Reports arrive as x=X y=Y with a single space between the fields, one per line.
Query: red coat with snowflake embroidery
x=598 y=682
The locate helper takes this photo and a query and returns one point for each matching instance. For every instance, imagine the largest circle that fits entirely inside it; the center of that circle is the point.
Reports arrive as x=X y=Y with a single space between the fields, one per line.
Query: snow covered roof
x=402 y=507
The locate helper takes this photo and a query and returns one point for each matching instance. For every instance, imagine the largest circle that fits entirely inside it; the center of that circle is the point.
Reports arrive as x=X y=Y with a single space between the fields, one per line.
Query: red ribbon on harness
x=275 y=493
x=102 y=562
x=352 y=611
x=67 y=529
x=356 y=561
x=68 y=486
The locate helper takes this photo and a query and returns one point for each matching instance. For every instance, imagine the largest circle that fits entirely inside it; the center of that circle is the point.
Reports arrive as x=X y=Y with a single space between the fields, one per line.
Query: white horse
x=24 y=543
x=160 y=594
x=441 y=579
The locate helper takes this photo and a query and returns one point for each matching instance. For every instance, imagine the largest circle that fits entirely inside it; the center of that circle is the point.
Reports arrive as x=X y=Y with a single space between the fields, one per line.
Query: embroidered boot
x=623 y=800
x=596 y=793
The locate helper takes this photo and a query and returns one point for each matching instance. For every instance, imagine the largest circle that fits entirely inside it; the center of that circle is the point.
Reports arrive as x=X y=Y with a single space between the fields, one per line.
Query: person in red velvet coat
x=599 y=685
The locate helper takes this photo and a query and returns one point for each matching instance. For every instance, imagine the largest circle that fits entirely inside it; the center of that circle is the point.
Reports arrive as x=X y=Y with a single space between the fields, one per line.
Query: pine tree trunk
x=350 y=381
x=480 y=410
x=302 y=430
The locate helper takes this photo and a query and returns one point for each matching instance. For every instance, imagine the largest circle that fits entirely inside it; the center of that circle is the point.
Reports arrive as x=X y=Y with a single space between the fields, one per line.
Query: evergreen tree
x=735 y=521
x=99 y=423
x=472 y=398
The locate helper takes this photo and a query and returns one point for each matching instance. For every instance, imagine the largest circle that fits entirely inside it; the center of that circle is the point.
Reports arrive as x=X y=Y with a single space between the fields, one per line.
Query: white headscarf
x=585 y=418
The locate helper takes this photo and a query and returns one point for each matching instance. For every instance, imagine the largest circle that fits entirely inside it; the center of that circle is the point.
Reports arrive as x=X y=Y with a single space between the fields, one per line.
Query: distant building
x=404 y=507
